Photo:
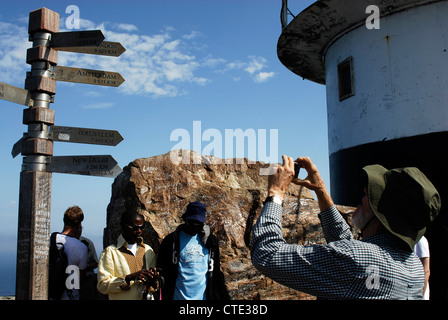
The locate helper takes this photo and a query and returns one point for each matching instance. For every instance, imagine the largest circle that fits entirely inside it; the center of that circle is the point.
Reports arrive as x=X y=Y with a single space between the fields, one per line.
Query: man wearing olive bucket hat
x=397 y=207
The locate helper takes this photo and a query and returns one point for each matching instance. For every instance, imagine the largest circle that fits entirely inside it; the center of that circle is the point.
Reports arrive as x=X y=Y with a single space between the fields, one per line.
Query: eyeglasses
x=135 y=228
x=194 y=223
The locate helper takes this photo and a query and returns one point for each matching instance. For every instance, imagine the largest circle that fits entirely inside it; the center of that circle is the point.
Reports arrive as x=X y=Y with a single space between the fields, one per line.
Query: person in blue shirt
x=189 y=260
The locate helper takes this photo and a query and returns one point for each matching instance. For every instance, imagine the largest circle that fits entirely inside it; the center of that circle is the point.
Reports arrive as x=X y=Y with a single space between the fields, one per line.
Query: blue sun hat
x=195 y=211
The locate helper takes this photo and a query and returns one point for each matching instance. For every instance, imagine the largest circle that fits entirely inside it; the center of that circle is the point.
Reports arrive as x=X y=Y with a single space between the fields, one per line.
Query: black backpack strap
x=53 y=238
x=58 y=245
x=57 y=265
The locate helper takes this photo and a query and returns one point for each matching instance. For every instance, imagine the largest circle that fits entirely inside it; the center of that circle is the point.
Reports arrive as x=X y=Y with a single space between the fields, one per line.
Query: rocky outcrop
x=233 y=191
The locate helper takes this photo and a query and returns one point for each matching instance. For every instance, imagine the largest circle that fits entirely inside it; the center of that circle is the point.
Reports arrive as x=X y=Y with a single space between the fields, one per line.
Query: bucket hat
x=195 y=211
x=403 y=199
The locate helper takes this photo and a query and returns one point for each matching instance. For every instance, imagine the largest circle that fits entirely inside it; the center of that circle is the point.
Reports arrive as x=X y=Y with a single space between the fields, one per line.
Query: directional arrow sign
x=85 y=135
x=15 y=94
x=106 y=48
x=103 y=165
x=116 y=170
x=17 y=148
x=76 y=39
x=97 y=77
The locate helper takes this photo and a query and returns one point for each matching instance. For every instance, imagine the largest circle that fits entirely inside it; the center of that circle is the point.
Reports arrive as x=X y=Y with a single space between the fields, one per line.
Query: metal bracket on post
x=35 y=163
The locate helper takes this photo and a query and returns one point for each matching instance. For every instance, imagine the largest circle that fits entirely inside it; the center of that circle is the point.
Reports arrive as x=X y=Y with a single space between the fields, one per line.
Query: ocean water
x=7 y=273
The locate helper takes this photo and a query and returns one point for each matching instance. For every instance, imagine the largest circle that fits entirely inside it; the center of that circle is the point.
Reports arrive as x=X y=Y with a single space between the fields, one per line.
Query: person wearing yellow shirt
x=125 y=270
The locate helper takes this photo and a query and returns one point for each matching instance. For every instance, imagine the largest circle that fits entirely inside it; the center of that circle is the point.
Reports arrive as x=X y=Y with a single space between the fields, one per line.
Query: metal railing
x=284 y=14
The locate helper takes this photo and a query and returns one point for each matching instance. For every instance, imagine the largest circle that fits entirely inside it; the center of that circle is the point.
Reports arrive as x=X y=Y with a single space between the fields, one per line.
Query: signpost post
x=35 y=182
x=36 y=145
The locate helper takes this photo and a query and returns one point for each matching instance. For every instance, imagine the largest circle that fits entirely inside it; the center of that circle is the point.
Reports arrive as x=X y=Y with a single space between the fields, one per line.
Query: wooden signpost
x=36 y=145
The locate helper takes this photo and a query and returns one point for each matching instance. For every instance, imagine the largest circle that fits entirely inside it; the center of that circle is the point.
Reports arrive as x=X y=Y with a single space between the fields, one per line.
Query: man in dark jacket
x=189 y=259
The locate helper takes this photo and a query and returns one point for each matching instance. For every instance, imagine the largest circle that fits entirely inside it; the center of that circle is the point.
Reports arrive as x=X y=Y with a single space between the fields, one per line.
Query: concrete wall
x=400 y=77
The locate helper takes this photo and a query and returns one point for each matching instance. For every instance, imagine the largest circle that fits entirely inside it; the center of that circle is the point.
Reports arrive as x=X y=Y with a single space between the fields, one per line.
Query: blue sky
x=208 y=61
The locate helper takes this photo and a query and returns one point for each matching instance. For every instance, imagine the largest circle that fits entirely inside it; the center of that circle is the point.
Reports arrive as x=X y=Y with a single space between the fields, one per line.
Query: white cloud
x=211 y=62
x=253 y=67
x=263 y=76
x=156 y=65
x=235 y=65
x=255 y=64
x=192 y=35
x=127 y=27
x=86 y=25
x=101 y=105
x=13 y=46
x=92 y=94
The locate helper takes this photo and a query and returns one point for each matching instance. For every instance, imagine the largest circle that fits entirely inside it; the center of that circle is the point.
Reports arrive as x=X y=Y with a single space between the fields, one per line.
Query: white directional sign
x=85 y=135
x=79 y=75
x=15 y=94
x=94 y=165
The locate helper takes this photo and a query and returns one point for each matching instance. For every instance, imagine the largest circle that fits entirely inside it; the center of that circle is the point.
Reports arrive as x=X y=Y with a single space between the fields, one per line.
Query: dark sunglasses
x=194 y=223
x=135 y=228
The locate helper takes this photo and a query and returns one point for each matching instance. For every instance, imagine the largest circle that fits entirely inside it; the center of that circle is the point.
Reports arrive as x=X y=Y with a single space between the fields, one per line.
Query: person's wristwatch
x=275 y=199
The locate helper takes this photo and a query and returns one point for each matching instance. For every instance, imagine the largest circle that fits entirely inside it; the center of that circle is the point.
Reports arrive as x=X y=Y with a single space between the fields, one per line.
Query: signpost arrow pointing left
x=15 y=94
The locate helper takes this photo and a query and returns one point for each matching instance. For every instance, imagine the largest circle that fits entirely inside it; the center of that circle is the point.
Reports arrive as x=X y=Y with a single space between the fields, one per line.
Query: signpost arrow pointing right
x=79 y=75
x=85 y=135
x=105 y=48
x=76 y=39
x=102 y=165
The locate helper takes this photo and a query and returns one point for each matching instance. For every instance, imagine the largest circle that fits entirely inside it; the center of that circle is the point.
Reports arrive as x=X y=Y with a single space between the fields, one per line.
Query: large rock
x=233 y=194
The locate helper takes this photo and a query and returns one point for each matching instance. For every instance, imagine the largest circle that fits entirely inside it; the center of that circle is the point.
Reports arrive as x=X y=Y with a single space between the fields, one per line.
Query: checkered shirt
x=377 y=267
